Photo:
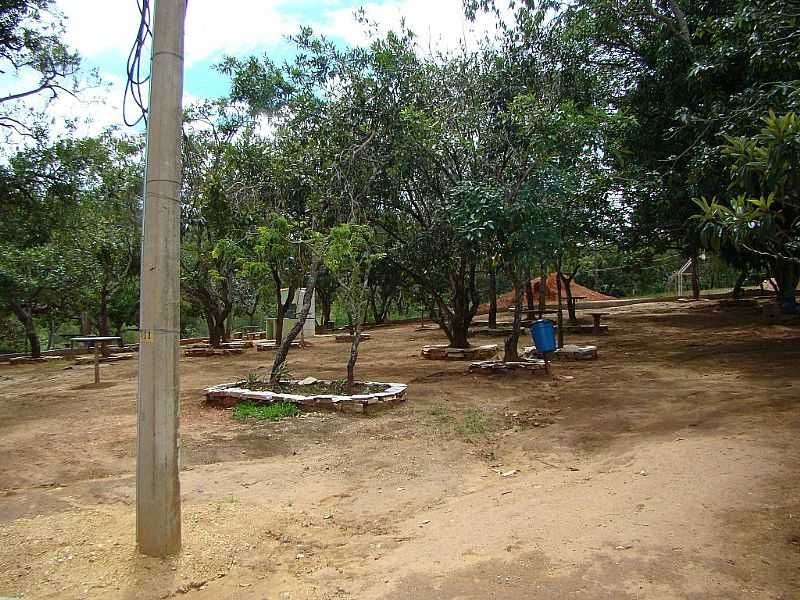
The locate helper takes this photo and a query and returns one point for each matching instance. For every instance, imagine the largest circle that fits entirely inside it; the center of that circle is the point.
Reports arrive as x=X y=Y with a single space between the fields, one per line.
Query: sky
x=102 y=31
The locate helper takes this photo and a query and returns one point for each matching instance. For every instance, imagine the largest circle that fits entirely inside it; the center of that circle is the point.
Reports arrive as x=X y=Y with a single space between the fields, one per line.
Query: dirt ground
x=666 y=469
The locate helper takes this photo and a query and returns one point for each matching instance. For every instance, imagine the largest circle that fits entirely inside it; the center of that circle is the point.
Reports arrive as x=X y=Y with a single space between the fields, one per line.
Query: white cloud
x=213 y=28
x=95 y=27
x=233 y=27
x=439 y=24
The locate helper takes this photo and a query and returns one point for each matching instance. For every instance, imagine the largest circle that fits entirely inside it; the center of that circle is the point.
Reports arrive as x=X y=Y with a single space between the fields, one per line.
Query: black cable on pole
x=135 y=79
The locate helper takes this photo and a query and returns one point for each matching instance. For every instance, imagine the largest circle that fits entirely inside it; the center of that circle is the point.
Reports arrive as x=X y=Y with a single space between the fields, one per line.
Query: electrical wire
x=135 y=79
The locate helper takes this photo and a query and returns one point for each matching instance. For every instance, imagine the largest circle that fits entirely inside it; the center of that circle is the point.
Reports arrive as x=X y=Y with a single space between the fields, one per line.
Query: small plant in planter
x=265 y=412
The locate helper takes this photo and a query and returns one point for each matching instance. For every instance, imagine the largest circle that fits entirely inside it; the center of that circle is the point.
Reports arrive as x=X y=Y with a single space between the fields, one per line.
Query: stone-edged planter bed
x=445 y=352
x=320 y=396
x=568 y=352
x=499 y=366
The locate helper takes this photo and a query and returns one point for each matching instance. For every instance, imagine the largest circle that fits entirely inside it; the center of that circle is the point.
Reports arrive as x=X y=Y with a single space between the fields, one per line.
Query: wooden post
x=560 y=304
x=542 y=288
x=158 y=520
x=96 y=362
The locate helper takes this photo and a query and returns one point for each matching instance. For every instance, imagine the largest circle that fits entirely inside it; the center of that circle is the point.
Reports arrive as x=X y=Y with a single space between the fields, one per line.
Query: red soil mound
x=506 y=301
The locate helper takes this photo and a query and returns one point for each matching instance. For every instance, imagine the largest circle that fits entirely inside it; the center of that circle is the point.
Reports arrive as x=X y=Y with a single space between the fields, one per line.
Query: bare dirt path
x=666 y=469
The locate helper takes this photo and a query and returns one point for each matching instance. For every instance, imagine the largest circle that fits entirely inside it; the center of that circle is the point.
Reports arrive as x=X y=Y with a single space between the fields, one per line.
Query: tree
x=277 y=258
x=123 y=306
x=109 y=219
x=33 y=53
x=763 y=218
x=219 y=208
x=680 y=75
x=322 y=169
x=385 y=283
x=42 y=280
x=326 y=290
x=45 y=269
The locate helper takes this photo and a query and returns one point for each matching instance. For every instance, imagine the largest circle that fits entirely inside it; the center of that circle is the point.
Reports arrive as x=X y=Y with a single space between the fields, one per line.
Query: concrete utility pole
x=158 y=504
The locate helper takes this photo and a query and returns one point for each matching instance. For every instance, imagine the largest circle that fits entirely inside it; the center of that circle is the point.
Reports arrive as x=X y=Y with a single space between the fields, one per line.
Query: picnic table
x=97 y=341
x=596 y=316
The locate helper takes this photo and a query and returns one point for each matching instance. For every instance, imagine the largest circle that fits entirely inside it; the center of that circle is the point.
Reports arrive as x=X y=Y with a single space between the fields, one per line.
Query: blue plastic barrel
x=544 y=335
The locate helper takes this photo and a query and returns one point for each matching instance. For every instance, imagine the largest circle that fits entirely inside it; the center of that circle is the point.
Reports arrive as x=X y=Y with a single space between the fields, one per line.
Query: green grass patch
x=265 y=412
x=473 y=423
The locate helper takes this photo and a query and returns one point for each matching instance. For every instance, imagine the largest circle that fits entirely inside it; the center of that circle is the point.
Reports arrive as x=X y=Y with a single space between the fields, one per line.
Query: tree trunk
x=695 y=278
x=492 y=297
x=567 y=281
x=380 y=309
x=279 y=325
x=326 y=312
x=738 y=287
x=103 y=328
x=374 y=305
x=33 y=340
x=51 y=333
x=510 y=352
x=459 y=334
x=286 y=342
x=529 y=290
x=281 y=307
x=455 y=328
x=31 y=335
x=251 y=313
x=325 y=307
x=210 y=327
x=542 y=288
x=216 y=330
x=218 y=335
x=786 y=275
x=560 y=305
x=455 y=320
x=351 y=361
x=86 y=323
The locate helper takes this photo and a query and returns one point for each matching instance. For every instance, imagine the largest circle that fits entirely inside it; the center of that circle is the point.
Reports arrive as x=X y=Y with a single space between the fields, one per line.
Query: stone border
x=230 y=394
x=498 y=366
x=566 y=353
x=270 y=345
x=212 y=351
x=346 y=337
x=27 y=360
x=236 y=344
x=88 y=360
x=444 y=352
